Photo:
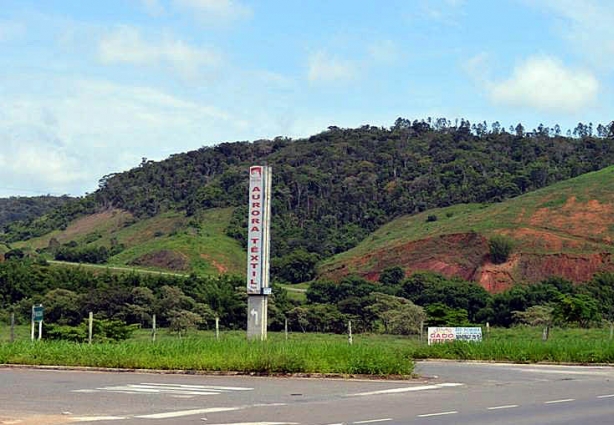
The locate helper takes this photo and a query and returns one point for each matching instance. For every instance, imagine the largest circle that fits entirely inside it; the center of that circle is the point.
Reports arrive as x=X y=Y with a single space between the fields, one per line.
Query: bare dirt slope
x=563 y=230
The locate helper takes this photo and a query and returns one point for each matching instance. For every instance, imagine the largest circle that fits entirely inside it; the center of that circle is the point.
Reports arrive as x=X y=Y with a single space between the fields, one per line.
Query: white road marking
x=211 y=387
x=372 y=421
x=564 y=400
x=428 y=415
x=174 y=389
x=180 y=413
x=265 y=423
x=508 y=406
x=407 y=389
x=97 y=418
x=594 y=372
x=606 y=396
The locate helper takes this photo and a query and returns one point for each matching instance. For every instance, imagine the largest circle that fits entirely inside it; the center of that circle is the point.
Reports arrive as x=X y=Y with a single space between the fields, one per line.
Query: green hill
x=566 y=229
x=168 y=241
x=330 y=191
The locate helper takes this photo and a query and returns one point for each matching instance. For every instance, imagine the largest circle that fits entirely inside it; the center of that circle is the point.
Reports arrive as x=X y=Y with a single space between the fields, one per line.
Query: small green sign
x=37 y=313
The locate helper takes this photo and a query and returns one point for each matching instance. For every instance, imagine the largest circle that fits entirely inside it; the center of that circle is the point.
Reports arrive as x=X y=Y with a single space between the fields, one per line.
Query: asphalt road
x=448 y=393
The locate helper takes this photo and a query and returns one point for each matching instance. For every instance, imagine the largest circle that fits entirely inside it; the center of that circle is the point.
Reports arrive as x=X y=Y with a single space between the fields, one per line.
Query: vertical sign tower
x=258 y=243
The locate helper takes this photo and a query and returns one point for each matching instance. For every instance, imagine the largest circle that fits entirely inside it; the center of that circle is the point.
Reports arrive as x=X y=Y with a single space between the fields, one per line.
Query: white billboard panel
x=448 y=334
x=258 y=229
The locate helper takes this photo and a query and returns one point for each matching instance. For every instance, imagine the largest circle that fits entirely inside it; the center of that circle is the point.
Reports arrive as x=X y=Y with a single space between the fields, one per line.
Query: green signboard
x=37 y=313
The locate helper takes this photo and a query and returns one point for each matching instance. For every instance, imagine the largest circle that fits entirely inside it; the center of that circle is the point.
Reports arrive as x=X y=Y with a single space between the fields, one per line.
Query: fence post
x=611 y=330
x=350 y=332
x=217 y=328
x=153 y=328
x=286 y=328
x=546 y=333
x=12 y=327
x=90 y=328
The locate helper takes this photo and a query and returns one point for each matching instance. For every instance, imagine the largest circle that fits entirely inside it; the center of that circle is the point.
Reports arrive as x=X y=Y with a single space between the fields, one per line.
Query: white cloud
x=126 y=45
x=544 y=83
x=215 y=11
x=78 y=131
x=383 y=51
x=326 y=68
x=587 y=24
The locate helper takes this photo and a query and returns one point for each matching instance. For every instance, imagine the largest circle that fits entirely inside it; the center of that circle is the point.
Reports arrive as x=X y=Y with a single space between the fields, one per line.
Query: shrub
x=500 y=248
x=431 y=218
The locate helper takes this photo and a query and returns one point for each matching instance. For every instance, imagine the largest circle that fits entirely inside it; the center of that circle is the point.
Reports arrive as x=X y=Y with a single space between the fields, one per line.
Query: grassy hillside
x=573 y=218
x=168 y=241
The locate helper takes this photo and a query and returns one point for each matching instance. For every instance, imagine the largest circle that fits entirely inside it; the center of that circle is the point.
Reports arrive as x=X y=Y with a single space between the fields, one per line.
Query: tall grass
x=377 y=355
x=327 y=355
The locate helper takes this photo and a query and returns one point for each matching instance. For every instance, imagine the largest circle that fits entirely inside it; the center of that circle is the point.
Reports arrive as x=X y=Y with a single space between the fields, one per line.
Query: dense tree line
x=334 y=188
x=395 y=304
x=28 y=208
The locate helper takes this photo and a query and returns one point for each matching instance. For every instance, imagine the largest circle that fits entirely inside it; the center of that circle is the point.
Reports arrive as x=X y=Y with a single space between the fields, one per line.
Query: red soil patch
x=451 y=255
x=542 y=239
x=587 y=220
x=466 y=256
x=219 y=267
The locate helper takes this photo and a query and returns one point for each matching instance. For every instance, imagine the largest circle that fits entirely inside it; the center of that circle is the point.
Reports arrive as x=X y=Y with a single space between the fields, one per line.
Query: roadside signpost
x=258 y=248
x=37 y=316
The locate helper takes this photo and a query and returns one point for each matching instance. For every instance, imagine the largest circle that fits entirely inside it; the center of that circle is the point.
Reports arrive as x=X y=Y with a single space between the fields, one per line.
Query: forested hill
x=26 y=208
x=334 y=188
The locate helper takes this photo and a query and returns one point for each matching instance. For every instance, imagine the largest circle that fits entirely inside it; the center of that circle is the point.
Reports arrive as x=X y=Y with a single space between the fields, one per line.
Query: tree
x=182 y=321
x=440 y=314
x=397 y=315
x=580 y=310
x=296 y=267
x=537 y=315
x=392 y=276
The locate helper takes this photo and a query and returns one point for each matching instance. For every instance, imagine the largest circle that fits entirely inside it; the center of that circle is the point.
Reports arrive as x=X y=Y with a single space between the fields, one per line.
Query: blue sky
x=88 y=88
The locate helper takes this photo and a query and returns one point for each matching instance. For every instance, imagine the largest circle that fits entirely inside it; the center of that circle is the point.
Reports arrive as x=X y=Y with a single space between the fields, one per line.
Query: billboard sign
x=258 y=229
x=438 y=335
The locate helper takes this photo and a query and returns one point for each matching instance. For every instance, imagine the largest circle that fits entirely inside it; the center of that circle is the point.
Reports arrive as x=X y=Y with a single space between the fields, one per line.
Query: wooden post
x=12 y=327
x=350 y=340
x=546 y=333
x=90 y=328
x=286 y=328
x=421 y=330
x=611 y=330
x=153 y=328
x=217 y=328
x=487 y=327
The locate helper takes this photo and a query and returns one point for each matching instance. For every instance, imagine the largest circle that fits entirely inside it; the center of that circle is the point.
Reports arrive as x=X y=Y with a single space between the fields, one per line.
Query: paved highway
x=447 y=393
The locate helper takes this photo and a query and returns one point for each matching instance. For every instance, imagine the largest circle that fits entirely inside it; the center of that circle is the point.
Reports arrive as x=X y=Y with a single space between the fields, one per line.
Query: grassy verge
x=377 y=355
x=327 y=355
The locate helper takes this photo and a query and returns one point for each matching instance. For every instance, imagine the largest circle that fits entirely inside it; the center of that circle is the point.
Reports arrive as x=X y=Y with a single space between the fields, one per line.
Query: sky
x=89 y=88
